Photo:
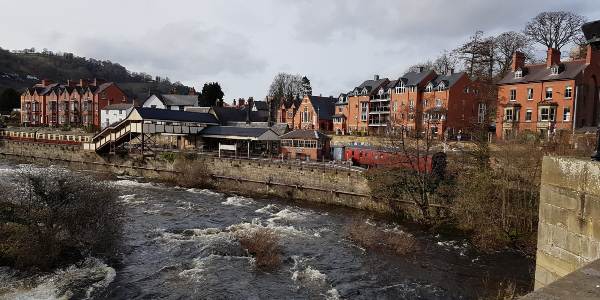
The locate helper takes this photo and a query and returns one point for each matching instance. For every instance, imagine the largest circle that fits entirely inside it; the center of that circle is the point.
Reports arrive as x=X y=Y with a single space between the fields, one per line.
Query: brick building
x=415 y=101
x=314 y=113
x=287 y=110
x=545 y=98
x=73 y=103
x=305 y=144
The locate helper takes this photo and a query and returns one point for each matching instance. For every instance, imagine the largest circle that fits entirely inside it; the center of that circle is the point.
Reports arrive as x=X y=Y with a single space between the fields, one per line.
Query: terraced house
x=76 y=103
x=416 y=101
x=550 y=97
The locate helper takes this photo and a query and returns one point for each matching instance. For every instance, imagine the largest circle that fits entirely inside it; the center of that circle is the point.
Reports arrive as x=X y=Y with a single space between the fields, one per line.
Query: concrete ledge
x=581 y=284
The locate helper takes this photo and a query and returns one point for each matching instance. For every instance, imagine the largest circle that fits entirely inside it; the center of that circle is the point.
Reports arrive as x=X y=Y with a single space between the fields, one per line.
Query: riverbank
x=176 y=238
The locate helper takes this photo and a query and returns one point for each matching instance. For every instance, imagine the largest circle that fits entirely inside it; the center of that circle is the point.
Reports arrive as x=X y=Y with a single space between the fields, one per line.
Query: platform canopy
x=239 y=133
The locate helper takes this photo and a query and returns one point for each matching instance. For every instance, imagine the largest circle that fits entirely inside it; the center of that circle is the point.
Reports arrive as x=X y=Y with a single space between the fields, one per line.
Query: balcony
x=378 y=121
x=379 y=110
x=384 y=99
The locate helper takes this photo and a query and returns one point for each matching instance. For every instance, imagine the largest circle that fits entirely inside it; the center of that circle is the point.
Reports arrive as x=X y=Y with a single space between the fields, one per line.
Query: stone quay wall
x=569 y=220
x=265 y=178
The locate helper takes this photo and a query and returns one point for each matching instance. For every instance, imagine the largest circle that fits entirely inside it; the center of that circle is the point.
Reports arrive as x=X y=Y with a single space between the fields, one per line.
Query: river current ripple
x=179 y=244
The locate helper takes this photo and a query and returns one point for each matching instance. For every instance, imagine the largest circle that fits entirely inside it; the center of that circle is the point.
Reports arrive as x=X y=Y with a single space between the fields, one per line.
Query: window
x=152 y=106
x=181 y=107
x=529 y=94
x=481 y=112
x=528 y=114
x=305 y=115
x=411 y=103
x=547 y=114
x=518 y=74
x=424 y=102
x=438 y=102
x=554 y=70
x=364 y=110
x=509 y=114
x=567 y=114
x=513 y=95
x=429 y=88
x=395 y=106
x=548 y=93
x=568 y=92
x=400 y=89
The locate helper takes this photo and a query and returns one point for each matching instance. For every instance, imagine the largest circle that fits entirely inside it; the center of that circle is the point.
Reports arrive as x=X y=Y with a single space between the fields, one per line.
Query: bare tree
x=447 y=61
x=555 y=29
x=285 y=87
x=506 y=44
x=471 y=53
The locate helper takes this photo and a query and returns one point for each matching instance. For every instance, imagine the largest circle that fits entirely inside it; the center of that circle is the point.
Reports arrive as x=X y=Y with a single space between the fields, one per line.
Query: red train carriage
x=369 y=156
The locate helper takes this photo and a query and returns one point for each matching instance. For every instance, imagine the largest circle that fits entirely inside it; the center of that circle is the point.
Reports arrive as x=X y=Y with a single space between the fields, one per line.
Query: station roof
x=240 y=133
x=174 y=115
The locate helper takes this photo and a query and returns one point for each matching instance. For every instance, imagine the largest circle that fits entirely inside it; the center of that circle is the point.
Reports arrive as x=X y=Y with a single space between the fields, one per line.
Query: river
x=178 y=245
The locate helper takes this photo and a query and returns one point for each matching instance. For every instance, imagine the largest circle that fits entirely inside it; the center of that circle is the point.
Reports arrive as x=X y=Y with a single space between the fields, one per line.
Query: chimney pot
x=376 y=77
x=450 y=71
x=421 y=69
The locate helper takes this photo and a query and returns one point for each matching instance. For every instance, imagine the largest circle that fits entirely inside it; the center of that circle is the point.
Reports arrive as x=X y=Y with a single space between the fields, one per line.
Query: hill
x=23 y=68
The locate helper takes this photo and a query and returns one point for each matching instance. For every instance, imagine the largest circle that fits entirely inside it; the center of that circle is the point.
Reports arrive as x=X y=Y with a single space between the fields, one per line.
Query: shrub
x=371 y=237
x=192 y=173
x=263 y=244
x=52 y=218
x=168 y=156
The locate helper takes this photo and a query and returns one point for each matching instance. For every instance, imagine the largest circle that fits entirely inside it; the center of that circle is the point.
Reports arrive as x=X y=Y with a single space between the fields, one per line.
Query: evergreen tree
x=9 y=99
x=306 y=88
x=211 y=92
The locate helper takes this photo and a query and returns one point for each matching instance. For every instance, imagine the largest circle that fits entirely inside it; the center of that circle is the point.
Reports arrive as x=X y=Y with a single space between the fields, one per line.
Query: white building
x=171 y=101
x=114 y=113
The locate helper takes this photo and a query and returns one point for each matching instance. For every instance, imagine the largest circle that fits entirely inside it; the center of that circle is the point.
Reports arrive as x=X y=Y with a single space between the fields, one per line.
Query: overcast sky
x=244 y=44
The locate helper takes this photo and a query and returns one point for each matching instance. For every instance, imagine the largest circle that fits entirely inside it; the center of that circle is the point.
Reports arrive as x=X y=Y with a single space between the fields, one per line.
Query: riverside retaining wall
x=569 y=221
x=253 y=177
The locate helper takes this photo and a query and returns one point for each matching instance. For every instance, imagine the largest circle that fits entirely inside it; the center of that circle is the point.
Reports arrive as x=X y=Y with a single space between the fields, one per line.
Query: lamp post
x=591 y=31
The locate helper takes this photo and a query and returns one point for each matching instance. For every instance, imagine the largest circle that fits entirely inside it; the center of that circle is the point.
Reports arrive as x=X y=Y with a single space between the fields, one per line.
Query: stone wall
x=287 y=180
x=569 y=221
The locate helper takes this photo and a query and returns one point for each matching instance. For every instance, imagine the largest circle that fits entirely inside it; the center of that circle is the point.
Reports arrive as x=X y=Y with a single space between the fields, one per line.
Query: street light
x=591 y=31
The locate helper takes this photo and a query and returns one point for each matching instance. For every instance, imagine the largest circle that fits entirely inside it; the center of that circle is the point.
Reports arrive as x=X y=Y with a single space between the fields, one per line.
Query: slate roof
x=119 y=106
x=414 y=78
x=175 y=115
x=179 y=100
x=324 y=106
x=537 y=73
x=234 y=114
x=261 y=105
x=449 y=80
x=250 y=132
x=304 y=134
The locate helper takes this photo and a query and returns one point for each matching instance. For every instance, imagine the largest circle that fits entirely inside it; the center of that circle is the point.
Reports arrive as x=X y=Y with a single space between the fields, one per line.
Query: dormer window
x=380 y=92
x=429 y=88
x=554 y=70
x=519 y=74
x=441 y=87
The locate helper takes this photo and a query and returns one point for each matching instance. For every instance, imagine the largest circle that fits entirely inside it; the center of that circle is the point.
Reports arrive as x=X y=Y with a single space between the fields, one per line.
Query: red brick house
x=73 y=103
x=550 y=97
x=287 y=110
x=358 y=102
x=315 y=113
x=305 y=144
x=340 y=117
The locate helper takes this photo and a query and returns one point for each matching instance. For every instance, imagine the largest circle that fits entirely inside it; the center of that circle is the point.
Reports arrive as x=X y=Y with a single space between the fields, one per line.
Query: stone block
x=564 y=172
x=561 y=197
x=590 y=249
x=555 y=265
x=574 y=243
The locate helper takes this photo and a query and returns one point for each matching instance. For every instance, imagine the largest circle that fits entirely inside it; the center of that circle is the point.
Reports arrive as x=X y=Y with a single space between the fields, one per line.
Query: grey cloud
x=395 y=20
x=183 y=50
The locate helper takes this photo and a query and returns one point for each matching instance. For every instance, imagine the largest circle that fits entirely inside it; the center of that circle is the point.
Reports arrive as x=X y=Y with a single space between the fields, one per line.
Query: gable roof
x=304 y=134
x=449 y=80
x=245 y=133
x=538 y=73
x=260 y=105
x=179 y=100
x=415 y=78
x=175 y=115
x=324 y=106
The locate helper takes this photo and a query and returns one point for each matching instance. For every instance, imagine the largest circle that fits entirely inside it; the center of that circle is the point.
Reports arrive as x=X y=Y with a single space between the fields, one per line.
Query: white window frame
x=566 y=114
x=548 y=90
x=529 y=93
x=512 y=95
x=568 y=92
x=519 y=74
x=528 y=115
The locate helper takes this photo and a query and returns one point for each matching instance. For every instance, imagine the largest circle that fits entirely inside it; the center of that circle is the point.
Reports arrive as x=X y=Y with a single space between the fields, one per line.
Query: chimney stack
x=552 y=58
x=45 y=82
x=376 y=77
x=234 y=103
x=241 y=102
x=518 y=61
x=450 y=71
x=421 y=69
